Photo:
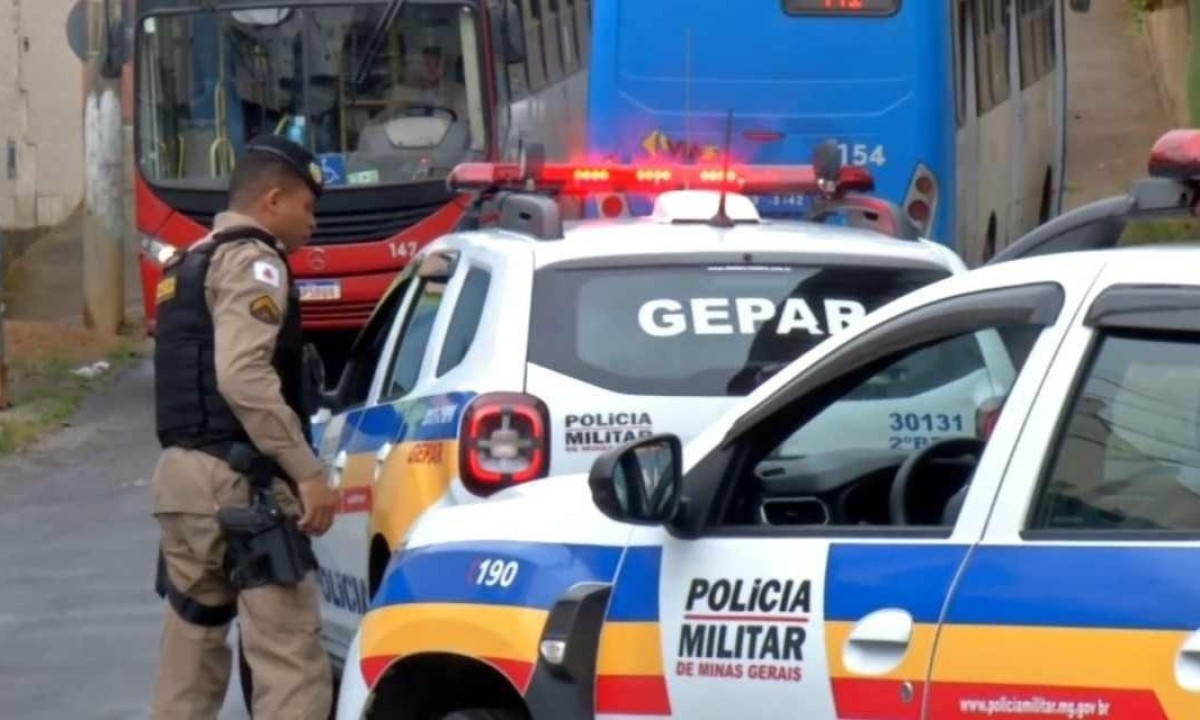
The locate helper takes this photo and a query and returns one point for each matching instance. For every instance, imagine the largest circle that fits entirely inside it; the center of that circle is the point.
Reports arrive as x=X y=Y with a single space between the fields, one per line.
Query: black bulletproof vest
x=190 y=411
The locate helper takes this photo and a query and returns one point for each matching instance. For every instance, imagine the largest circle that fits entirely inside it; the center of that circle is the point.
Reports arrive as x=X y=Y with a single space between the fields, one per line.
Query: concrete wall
x=41 y=116
x=1165 y=34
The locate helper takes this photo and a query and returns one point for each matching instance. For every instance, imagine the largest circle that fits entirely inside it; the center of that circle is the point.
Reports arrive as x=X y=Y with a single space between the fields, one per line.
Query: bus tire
x=1044 y=212
x=989 y=244
x=483 y=714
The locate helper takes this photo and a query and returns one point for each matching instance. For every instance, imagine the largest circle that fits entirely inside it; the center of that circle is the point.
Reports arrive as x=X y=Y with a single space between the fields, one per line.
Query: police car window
x=464 y=324
x=699 y=330
x=364 y=356
x=414 y=340
x=838 y=467
x=1128 y=457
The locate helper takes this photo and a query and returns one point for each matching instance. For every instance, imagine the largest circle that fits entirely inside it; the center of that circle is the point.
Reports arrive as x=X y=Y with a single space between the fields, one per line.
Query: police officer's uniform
x=228 y=366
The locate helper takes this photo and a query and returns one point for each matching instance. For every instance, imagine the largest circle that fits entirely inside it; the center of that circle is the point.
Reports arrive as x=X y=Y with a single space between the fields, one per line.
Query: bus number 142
x=862 y=154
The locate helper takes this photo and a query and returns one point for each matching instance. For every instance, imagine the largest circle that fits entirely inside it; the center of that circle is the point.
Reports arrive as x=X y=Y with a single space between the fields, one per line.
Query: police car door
x=1083 y=600
x=406 y=438
x=344 y=446
x=795 y=581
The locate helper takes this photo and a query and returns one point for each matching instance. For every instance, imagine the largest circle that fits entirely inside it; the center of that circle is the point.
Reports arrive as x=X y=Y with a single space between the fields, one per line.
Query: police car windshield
x=698 y=330
x=211 y=80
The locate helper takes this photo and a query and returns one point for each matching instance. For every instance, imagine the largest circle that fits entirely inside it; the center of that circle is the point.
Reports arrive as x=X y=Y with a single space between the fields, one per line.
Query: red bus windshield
x=210 y=80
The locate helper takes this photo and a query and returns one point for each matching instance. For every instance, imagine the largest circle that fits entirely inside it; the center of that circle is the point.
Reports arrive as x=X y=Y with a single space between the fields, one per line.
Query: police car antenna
x=687 y=94
x=722 y=219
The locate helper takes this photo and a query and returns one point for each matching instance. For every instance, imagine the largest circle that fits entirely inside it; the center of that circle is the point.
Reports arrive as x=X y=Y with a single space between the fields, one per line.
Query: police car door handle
x=1187 y=664
x=381 y=458
x=878 y=643
x=339 y=468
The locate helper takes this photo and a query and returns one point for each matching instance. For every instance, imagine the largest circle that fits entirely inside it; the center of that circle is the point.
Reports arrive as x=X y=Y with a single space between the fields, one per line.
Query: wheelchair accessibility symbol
x=333 y=165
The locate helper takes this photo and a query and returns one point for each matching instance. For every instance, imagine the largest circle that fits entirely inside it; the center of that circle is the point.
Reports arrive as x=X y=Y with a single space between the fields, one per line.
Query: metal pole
x=105 y=223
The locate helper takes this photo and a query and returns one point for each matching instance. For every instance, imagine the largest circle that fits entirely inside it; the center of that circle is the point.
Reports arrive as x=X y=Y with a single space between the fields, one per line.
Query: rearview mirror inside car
x=639 y=482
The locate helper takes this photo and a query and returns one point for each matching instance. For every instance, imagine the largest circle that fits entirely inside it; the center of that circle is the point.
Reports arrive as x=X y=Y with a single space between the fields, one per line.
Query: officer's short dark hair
x=256 y=174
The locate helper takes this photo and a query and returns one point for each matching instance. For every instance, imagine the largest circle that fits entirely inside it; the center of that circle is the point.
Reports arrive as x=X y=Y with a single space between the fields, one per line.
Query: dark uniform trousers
x=279 y=626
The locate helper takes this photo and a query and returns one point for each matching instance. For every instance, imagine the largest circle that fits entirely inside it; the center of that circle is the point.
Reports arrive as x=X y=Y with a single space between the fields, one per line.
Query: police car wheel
x=483 y=714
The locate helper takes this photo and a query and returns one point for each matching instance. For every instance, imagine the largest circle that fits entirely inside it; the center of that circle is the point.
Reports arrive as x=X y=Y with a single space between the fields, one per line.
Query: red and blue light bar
x=583 y=179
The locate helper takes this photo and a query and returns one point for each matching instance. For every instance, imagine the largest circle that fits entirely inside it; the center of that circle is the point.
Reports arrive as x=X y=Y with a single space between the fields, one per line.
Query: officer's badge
x=165 y=290
x=264 y=309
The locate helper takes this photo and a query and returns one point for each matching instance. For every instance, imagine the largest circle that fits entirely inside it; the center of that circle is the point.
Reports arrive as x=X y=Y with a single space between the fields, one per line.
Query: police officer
x=228 y=366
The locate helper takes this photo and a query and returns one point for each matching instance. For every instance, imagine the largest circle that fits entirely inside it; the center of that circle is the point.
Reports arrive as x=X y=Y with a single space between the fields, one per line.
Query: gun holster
x=264 y=545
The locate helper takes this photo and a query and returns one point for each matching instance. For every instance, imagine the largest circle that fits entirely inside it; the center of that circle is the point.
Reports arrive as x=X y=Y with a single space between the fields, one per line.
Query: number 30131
x=494 y=572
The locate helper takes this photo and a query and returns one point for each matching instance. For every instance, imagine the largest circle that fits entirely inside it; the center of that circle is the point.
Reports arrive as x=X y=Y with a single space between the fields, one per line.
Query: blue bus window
x=887 y=80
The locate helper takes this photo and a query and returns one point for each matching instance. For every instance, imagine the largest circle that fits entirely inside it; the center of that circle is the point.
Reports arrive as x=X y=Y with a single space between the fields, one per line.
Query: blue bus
x=957 y=107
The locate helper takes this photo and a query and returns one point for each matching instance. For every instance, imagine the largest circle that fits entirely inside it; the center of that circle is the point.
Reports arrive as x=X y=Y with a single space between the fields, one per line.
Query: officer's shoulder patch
x=266 y=273
x=165 y=290
x=264 y=309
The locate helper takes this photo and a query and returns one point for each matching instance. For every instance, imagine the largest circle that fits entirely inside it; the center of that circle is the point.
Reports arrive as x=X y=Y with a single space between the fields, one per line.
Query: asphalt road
x=78 y=612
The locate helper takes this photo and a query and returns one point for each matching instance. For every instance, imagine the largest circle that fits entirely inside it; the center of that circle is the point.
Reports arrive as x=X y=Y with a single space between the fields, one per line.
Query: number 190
x=496 y=572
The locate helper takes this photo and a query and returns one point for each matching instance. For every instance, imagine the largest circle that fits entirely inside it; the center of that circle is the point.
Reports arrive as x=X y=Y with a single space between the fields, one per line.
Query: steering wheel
x=430 y=110
x=941 y=450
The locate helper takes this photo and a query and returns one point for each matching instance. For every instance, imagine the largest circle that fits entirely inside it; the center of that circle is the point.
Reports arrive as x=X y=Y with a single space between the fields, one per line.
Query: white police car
x=508 y=354
x=1043 y=561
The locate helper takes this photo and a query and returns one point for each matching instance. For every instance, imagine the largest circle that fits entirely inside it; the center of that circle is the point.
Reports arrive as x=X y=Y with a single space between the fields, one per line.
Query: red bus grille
x=335 y=228
x=341 y=313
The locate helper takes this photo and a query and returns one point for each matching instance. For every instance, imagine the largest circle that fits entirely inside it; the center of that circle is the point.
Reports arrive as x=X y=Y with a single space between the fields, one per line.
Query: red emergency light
x=576 y=179
x=1176 y=155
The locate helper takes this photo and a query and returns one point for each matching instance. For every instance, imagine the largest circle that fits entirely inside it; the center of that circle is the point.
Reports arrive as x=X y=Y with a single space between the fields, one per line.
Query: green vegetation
x=1150 y=232
x=48 y=393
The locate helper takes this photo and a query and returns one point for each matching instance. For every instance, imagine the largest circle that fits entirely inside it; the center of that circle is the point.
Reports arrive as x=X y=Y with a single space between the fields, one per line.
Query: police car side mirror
x=639 y=482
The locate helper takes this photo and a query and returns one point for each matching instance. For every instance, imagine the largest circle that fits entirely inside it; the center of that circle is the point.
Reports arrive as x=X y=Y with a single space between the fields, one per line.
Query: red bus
x=390 y=96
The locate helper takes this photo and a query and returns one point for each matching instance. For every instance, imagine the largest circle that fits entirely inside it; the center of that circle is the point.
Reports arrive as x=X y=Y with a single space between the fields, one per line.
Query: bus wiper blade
x=376 y=41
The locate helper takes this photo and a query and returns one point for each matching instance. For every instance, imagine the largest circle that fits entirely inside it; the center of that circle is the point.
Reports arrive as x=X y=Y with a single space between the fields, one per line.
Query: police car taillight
x=569 y=178
x=1176 y=155
x=505 y=442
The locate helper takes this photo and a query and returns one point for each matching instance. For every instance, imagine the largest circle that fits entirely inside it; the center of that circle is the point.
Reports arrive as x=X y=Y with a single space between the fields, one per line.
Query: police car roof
x=643 y=236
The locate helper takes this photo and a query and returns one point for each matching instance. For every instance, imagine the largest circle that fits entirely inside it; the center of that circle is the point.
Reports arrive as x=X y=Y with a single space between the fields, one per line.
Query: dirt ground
x=29 y=343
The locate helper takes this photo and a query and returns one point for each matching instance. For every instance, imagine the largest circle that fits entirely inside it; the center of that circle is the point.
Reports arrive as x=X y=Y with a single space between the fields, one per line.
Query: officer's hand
x=319 y=502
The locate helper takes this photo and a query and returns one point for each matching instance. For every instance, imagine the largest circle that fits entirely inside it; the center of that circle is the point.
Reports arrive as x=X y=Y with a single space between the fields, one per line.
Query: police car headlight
x=567 y=643
x=553 y=651
x=156 y=250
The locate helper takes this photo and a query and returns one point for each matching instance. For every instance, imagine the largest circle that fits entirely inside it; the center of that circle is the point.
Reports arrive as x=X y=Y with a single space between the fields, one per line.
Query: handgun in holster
x=265 y=545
